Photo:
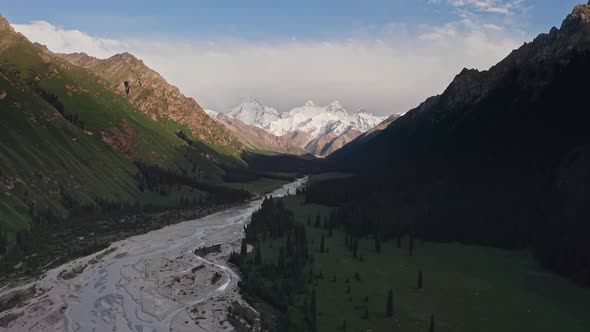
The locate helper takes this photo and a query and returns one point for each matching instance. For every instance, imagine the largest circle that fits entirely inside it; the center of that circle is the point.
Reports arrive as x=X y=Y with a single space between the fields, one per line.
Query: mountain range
x=90 y=131
x=80 y=131
x=319 y=130
x=500 y=158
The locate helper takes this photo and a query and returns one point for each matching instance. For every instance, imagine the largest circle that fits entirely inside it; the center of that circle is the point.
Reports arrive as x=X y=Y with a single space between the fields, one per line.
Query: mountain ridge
x=496 y=159
x=327 y=128
x=153 y=95
x=69 y=139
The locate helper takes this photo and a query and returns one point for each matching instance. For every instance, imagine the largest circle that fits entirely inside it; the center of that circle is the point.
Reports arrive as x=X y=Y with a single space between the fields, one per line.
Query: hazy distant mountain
x=321 y=129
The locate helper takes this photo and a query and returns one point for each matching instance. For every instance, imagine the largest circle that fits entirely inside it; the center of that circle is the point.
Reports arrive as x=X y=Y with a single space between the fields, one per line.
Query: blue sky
x=382 y=55
x=257 y=19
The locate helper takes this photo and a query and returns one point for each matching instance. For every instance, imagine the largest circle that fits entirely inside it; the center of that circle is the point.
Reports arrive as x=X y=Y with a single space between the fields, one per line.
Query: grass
x=466 y=288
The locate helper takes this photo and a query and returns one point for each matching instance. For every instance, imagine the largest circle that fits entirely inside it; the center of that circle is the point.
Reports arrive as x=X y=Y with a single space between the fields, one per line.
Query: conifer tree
x=420 y=279
x=389 y=306
x=431 y=328
x=377 y=243
x=244 y=248
x=322 y=244
x=258 y=257
x=314 y=312
x=411 y=245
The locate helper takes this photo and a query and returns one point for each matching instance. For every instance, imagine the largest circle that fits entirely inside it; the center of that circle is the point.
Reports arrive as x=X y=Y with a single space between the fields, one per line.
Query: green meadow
x=465 y=288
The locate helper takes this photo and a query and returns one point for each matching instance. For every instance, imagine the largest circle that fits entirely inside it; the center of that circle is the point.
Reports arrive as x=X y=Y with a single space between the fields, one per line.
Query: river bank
x=150 y=282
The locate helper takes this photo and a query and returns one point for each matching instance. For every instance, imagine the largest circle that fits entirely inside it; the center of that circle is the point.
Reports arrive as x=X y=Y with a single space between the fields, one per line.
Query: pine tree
x=322 y=244
x=411 y=245
x=258 y=257
x=431 y=329
x=399 y=242
x=389 y=306
x=314 y=312
x=308 y=220
x=377 y=243
x=366 y=314
x=244 y=248
x=420 y=279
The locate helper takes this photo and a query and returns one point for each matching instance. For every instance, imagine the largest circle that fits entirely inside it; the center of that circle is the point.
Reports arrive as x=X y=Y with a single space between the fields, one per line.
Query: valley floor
x=151 y=281
x=465 y=288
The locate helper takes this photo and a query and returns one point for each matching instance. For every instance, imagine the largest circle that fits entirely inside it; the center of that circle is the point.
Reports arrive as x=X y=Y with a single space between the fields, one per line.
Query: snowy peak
x=310 y=118
x=335 y=106
x=253 y=113
x=309 y=103
x=319 y=130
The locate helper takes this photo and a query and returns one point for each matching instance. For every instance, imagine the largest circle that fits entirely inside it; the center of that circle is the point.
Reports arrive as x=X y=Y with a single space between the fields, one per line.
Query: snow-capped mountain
x=310 y=118
x=325 y=128
x=253 y=113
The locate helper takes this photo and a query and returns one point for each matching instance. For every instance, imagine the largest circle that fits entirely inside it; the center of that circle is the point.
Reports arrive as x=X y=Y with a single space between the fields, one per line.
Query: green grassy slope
x=75 y=155
x=41 y=152
x=90 y=157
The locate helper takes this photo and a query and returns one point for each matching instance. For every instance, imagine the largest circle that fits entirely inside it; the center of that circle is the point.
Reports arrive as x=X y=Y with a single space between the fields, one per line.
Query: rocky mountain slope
x=497 y=158
x=155 y=97
x=319 y=130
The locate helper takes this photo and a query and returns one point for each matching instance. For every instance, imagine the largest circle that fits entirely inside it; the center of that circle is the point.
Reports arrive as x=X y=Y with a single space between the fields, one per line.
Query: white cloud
x=505 y=7
x=388 y=73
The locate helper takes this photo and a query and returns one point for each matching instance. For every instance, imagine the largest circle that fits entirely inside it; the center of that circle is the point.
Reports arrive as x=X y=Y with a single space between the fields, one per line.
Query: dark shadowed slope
x=498 y=158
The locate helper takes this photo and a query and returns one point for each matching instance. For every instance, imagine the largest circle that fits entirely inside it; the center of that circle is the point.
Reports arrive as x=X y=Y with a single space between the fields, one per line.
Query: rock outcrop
x=5 y=25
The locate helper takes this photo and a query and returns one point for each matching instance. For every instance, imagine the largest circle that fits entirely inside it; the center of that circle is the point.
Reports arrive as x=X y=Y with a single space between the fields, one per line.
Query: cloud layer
x=386 y=72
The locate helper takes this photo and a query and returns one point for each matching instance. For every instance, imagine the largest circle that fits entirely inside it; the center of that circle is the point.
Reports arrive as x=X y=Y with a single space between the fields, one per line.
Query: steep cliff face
x=154 y=96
